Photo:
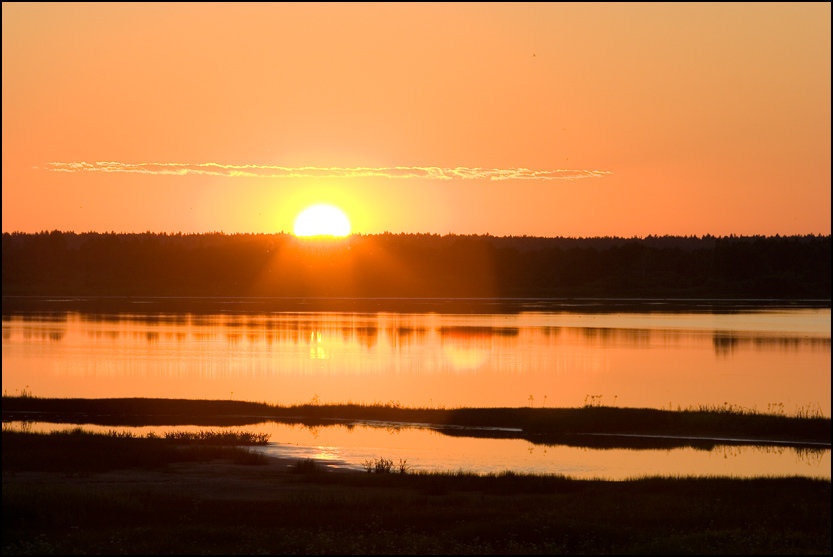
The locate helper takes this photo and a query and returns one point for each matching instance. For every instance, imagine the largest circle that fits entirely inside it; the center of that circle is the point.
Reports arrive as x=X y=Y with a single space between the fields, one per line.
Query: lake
x=765 y=358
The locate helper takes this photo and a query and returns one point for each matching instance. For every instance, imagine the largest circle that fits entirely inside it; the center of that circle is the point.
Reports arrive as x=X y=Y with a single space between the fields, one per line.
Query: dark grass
x=674 y=516
x=312 y=510
x=539 y=425
x=204 y=438
x=79 y=451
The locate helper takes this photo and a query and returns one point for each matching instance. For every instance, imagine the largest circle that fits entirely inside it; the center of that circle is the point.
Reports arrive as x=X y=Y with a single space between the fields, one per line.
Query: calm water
x=754 y=359
x=770 y=359
x=427 y=450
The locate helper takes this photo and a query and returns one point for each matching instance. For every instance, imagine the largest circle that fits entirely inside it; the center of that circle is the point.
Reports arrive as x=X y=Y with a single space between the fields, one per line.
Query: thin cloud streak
x=270 y=171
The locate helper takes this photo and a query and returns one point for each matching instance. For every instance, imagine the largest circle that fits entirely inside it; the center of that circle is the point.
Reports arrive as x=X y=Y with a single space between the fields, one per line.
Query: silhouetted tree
x=415 y=265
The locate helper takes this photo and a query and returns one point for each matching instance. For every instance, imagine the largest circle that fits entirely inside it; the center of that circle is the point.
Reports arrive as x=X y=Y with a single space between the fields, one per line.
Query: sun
x=322 y=220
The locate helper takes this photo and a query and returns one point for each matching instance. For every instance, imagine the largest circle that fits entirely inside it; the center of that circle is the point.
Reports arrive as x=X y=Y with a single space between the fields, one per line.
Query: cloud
x=270 y=171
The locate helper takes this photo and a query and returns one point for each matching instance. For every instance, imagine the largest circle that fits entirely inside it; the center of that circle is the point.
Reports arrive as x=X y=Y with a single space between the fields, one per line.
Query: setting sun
x=565 y=258
x=322 y=220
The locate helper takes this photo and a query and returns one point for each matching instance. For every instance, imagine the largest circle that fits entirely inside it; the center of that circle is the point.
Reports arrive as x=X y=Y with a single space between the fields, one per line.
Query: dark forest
x=415 y=265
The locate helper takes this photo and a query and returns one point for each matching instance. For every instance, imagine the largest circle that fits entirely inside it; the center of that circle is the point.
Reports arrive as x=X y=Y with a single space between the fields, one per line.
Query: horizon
x=326 y=238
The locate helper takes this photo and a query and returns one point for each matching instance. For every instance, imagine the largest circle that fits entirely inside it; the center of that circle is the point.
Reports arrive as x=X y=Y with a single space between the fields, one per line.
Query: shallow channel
x=426 y=449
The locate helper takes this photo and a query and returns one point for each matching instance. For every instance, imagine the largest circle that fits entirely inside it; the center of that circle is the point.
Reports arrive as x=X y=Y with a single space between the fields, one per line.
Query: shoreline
x=585 y=426
x=26 y=303
x=217 y=505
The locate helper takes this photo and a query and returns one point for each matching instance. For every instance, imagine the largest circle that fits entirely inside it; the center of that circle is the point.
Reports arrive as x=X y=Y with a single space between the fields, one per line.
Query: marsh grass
x=381 y=465
x=805 y=411
x=308 y=509
x=305 y=466
x=77 y=450
x=424 y=513
x=218 y=437
x=539 y=425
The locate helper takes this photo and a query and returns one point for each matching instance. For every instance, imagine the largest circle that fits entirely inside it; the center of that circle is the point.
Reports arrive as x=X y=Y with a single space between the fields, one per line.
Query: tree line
x=415 y=265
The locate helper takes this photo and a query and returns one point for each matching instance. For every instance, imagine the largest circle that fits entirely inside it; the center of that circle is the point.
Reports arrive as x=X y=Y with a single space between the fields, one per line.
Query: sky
x=543 y=119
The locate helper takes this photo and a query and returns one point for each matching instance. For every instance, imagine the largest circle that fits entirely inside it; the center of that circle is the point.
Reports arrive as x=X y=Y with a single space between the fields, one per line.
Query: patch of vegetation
x=381 y=465
x=362 y=513
x=539 y=425
x=308 y=509
x=218 y=437
x=306 y=466
x=76 y=450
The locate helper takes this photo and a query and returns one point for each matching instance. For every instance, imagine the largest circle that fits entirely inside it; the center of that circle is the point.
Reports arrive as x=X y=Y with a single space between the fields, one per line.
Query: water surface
x=768 y=359
x=424 y=449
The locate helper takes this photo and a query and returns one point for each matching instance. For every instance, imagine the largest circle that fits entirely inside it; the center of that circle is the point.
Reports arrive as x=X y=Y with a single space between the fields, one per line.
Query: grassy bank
x=539 y=425
x=145 y=498
x=78 y=451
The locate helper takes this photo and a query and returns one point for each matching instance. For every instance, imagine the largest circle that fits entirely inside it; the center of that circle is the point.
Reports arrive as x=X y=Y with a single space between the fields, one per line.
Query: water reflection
x=427 y=450
x=398 y=329
x=726 y=342
x=723 y=342
x=477 y=331
x=50 y=316
x=648 y=360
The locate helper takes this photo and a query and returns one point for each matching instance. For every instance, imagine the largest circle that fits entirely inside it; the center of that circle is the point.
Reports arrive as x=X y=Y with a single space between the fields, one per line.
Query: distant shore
x=258 y=304
x=416 y=266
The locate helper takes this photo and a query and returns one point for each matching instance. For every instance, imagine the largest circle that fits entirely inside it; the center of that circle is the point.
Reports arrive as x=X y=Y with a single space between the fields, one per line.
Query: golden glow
x=465 y=358
x=322 y=220
x=316 y=350
x=434 y=154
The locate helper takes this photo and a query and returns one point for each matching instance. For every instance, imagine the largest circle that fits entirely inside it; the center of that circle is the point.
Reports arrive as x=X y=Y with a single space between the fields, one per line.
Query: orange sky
x=630 y=119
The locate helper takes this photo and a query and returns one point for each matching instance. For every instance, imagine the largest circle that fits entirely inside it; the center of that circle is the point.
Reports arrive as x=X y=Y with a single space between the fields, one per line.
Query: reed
x=218 y=437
